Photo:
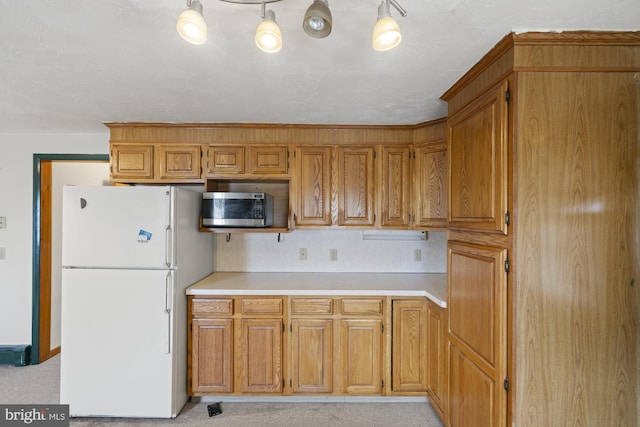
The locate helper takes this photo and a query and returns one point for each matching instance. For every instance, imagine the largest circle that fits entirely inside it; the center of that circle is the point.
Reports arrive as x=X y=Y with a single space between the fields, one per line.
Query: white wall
x=16 y=204
x=263 y=253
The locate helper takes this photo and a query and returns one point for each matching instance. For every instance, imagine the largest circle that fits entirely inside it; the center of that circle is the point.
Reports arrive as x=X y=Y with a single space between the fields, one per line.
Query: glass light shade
x=386 y=34
x=191 y=25
x=317 y=19
x=268 y=35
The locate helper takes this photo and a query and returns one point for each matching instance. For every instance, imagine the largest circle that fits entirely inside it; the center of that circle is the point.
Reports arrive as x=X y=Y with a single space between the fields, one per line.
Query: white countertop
x=430 y=285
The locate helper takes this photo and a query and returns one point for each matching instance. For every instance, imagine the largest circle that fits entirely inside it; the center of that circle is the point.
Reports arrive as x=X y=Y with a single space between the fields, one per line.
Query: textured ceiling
x=70 y=65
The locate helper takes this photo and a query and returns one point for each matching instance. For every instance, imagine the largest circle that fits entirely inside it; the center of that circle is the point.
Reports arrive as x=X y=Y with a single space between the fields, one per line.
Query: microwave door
x=238 y=212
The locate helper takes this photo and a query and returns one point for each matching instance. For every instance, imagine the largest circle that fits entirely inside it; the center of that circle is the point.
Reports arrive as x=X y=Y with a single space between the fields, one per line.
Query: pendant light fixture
x=317 y=19
x=268 y=34
x=386 y=33
x=191 y=25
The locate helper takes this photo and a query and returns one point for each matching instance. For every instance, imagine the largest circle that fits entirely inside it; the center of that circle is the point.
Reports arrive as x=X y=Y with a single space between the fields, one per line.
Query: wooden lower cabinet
x=437 y=357
x=418 y=344
x=476 y=286
x=212 y=355
x=361 y=345
x=236 y=345
x=260 y=356
x=312 y=353
x=409 y=343
x=337 y=345
x=316 y=345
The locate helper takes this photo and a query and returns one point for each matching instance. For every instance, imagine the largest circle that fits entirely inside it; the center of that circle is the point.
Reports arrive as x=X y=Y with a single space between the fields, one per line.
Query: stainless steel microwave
x=237 y=209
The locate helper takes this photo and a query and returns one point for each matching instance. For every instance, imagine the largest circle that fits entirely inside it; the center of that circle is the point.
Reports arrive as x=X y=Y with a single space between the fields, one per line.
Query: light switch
x=3 y=253
x=3 y=222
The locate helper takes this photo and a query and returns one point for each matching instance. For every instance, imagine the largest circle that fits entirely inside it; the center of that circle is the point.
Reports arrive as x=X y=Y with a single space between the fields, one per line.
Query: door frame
x=41 y=292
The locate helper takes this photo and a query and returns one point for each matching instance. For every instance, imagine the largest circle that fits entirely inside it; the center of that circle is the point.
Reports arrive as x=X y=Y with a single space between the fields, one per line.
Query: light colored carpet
x=39 y=384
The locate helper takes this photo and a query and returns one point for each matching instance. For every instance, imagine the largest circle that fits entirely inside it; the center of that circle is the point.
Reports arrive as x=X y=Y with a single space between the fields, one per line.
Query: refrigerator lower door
x=117 y=344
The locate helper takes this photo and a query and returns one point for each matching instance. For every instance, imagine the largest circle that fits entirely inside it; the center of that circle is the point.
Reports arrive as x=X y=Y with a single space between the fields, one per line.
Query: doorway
x=50 y=173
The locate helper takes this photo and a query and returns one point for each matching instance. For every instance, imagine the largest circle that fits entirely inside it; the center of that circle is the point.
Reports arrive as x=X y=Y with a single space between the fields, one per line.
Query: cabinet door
x=409 y=344
x=131 y=162
x=478 y=164
x=431 y=185
x=395 y=187
x=436 y=344
x=261 y=356
x=361 y=354
x=313 y=186
x=212 y=356
x=476 y=287
x=178 y=162
x=356 y=203
x=312 y=355
x=268 y=159
x=225 y=159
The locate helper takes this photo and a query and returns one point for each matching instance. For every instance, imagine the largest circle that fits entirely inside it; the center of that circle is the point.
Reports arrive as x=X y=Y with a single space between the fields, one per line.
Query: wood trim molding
x=234 y=133
x=584 y=38
x=44 y=349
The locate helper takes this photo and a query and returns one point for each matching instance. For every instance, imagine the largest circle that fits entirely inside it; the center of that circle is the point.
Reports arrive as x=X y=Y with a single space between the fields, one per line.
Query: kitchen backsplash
x=261 y=252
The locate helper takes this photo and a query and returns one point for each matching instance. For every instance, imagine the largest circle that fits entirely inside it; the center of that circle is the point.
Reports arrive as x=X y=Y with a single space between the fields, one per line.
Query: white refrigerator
x=128 y=254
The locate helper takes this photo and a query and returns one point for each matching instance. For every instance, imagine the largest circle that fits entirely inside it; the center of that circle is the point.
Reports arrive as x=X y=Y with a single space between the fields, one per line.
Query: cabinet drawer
x=361 y=305
x=200 y=307
x=311 y=306
x=261 y=306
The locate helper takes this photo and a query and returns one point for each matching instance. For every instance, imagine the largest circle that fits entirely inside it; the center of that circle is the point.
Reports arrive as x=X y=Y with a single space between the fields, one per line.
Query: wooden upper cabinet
x=430 y=195
x=395 y=187
x=313 y=185
x=247 y=160
x=356 y=186
x=155 y=163
x=268 y=159
x=131 y=162
x=178 y=162
x=478 y=164
x=225 y=159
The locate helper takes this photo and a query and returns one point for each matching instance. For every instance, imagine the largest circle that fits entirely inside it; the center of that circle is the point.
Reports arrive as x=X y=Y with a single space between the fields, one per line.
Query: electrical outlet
x=333 y=254
x=417 y=255
x=303 y=254
x=3 y=222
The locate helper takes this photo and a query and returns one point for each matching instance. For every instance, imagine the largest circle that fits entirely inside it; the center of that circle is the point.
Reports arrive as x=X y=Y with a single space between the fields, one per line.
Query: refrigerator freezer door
x=117 y=227
x=117 y=352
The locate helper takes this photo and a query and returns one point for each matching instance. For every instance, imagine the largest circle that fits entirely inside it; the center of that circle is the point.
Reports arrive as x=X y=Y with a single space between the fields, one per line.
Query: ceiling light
x=317 y=23
x=268 y=35
x=386 y=34
x=317 y=19
x=191 y=25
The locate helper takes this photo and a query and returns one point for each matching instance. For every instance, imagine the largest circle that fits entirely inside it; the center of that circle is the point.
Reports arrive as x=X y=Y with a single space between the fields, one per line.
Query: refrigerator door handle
x=168 y=303
x=168 y=251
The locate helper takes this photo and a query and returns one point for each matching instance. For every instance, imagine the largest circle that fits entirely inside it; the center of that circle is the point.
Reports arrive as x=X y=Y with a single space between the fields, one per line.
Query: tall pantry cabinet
x=544 y=236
